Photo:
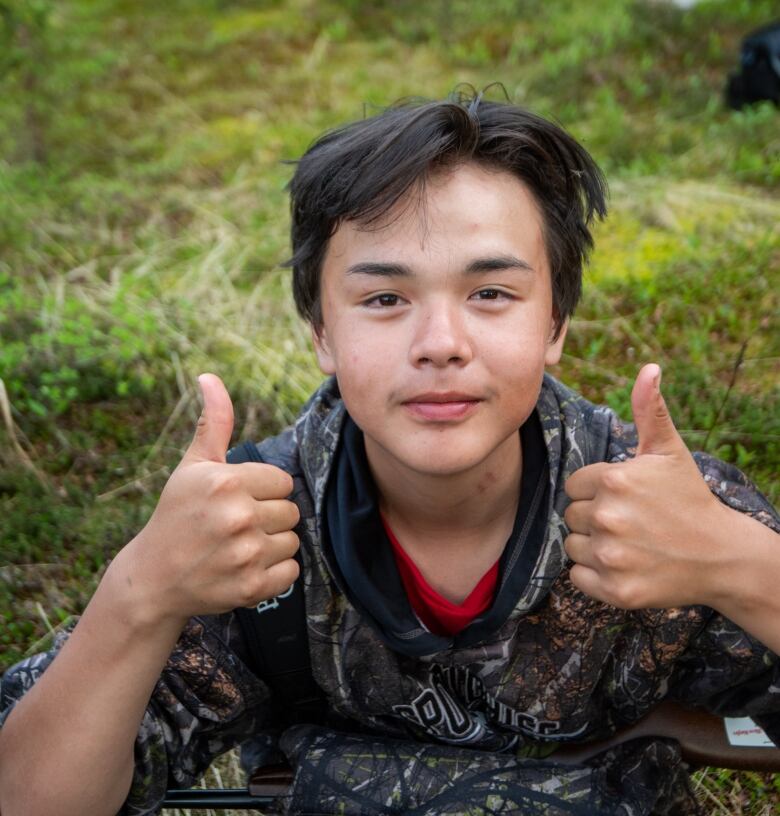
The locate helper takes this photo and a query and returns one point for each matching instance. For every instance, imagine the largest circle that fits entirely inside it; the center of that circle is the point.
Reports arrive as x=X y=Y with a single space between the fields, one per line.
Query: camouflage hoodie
x=458 y=726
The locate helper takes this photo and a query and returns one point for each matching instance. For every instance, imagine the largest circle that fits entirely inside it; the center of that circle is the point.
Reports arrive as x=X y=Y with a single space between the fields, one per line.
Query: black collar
x=361 y=559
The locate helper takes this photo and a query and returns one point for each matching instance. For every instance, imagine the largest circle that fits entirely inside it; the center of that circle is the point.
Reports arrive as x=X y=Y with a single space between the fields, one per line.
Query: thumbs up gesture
x=221 y=535
x=639 y=529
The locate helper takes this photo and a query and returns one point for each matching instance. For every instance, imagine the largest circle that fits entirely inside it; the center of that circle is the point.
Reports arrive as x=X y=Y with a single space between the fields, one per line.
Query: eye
x=489 y=294
x=385 y=300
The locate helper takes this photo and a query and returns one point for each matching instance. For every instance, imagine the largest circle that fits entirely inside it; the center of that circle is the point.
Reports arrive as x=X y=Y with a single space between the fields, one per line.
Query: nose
x=441 y=338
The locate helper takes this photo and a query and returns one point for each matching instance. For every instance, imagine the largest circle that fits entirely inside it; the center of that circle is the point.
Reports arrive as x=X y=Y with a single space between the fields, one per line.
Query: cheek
x=517 y=350
x=361 y=366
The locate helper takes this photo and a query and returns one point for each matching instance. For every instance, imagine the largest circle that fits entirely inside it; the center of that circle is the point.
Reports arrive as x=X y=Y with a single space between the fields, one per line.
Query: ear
x=555 y=344
x=325 y=358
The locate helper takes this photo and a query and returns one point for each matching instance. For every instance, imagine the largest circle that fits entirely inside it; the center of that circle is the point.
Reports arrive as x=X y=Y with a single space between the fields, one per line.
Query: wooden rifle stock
x=702 y=739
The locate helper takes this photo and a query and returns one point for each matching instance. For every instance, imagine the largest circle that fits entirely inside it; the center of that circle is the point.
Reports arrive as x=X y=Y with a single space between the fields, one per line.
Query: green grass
x=143 y=221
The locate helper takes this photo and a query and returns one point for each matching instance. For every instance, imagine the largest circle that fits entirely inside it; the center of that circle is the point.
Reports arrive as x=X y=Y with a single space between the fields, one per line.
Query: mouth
x=442 y=406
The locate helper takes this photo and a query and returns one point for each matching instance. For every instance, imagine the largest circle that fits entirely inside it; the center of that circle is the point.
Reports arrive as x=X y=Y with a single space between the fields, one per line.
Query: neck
x=455 y=508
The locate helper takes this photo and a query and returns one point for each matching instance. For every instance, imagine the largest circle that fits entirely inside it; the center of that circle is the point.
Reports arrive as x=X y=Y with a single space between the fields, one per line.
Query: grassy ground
x=143 y=220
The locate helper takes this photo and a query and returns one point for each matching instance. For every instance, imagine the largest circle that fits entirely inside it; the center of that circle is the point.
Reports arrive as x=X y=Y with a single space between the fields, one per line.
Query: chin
x=445 y=461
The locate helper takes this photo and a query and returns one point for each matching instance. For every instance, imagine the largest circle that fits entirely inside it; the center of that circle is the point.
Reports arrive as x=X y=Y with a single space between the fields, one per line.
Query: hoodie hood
x=569 y=433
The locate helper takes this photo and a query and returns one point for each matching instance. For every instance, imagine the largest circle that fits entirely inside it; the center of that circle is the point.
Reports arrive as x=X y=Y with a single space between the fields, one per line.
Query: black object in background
x=759 y=74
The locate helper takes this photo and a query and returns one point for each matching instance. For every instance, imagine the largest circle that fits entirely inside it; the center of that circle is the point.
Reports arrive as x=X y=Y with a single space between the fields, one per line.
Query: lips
x=442 y=406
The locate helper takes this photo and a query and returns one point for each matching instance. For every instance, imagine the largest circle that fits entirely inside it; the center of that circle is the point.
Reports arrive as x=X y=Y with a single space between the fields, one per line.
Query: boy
x=471 y=531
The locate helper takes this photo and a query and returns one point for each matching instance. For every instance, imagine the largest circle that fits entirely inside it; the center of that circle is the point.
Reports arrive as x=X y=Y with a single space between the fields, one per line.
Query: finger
x=655 y=428
x=280 y=577
x=578 y=517
x=273 y=549
x=264 y=555
x=277 y=515
x=264 y=481
x=587 y=580
x=215 y=426
x=284 y=545
x=584 y=483
x=580 y=549
x=257 y=552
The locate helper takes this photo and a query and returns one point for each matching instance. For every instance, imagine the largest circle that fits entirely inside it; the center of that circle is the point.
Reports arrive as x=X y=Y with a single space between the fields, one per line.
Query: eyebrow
x=479 y=266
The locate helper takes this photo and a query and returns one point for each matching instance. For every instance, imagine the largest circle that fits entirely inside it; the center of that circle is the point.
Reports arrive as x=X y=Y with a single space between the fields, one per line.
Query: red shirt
x=441 y=616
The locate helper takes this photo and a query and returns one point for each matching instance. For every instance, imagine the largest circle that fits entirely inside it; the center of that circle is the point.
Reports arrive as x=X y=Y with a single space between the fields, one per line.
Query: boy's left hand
x=644 y=532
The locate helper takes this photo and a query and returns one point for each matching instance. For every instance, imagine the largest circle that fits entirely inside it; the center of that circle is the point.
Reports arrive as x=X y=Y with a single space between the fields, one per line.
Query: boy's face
x=438 y=322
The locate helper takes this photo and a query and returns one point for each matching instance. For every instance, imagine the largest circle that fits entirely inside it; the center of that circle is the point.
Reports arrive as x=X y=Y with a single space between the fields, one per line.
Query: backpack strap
x=277 y=639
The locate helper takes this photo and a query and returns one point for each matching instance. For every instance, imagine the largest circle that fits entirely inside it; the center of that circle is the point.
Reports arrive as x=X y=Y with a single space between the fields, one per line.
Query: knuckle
x=610 y=519
x=286 y=576
x=604 y=519
x=248 y=600
x=239 y=521
x=610 y=555
x=269 y=585
x=223 y=482
x=625 y=595
x=243 y=554
x=614 y=479
x=248 y=594
x=263 y=516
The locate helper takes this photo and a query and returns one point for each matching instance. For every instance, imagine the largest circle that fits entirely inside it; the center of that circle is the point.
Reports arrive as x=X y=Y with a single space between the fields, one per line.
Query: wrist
x=135 y=598
x=744 y=574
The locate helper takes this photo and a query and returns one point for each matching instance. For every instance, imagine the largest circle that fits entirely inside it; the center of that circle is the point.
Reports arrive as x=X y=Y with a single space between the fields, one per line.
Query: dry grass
x=147 y=248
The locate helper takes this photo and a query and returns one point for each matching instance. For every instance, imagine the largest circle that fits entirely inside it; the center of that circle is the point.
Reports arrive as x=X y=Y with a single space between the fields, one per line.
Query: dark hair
x=358 y=172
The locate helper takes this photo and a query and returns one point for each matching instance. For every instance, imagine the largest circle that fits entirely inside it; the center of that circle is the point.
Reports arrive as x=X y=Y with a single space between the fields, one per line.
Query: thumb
x=215 y=425
x=654 y=426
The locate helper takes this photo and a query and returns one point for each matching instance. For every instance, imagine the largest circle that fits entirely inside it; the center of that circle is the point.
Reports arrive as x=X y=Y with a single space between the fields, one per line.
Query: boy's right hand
x=221 y=536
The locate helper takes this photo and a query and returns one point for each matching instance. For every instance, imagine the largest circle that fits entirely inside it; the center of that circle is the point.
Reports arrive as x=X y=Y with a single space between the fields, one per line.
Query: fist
x=641 y=531
x=221 y=535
